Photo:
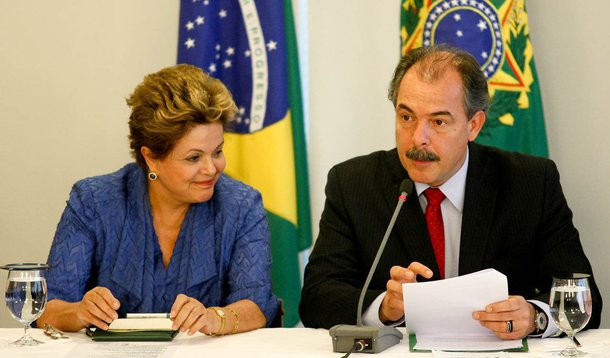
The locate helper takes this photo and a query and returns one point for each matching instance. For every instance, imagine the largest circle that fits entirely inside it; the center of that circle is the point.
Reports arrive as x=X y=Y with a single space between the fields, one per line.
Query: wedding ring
x=509 y=326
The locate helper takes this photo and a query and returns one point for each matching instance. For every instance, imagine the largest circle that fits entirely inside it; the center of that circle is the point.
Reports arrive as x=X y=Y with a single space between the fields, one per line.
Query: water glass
x=26 y=296
x=571 y=306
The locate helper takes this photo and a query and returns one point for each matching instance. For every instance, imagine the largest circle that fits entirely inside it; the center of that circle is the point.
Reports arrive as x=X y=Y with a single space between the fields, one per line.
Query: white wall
x=66 y=67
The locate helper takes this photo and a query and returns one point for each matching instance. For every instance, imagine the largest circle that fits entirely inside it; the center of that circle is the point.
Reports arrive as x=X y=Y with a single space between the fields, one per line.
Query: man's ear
x=475 y=124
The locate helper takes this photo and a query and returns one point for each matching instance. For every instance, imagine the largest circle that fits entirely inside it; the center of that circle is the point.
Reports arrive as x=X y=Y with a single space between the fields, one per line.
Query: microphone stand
x=370 y=339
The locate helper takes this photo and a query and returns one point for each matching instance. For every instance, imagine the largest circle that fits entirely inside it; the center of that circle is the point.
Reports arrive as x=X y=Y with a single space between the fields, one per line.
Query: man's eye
x=439 y=122
x=406 y=117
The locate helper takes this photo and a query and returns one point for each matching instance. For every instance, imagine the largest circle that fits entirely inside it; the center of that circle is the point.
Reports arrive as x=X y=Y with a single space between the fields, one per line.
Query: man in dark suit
x=499 y=210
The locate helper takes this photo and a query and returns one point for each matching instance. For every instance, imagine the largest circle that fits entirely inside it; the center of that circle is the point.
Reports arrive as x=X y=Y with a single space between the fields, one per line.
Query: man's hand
x=98 y=307
x=392 y=307
x=515 y=309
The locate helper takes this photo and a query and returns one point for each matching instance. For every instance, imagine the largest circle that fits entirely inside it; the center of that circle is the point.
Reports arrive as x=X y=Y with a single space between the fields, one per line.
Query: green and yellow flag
x=251 y=47
x=496 y=33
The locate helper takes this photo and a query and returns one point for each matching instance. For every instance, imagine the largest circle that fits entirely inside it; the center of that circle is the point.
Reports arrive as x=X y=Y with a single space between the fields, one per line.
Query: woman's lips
x=205 y=183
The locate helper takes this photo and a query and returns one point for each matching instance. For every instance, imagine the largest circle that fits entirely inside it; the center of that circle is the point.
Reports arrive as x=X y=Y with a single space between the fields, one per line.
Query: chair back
x=278 y=320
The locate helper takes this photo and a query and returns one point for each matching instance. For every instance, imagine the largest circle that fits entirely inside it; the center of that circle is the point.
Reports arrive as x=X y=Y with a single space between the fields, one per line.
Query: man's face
x=432 y=128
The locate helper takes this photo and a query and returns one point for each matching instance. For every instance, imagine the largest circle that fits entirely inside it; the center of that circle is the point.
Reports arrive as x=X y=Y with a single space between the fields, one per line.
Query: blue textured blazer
x=106 y=238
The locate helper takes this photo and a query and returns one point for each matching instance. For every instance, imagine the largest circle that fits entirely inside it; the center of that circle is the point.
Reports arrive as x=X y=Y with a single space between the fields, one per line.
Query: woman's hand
x=191 y=315
x=98 y=307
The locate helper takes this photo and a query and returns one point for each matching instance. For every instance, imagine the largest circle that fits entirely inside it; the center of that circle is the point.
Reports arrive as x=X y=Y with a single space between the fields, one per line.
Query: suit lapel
x=479 y=203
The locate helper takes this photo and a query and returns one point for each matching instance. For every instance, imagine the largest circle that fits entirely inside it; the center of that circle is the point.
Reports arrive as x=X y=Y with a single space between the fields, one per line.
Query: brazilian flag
x=251 y=47
x=496 y=33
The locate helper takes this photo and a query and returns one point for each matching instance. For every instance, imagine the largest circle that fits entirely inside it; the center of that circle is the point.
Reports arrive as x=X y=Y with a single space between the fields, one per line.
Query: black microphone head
x=406 y=186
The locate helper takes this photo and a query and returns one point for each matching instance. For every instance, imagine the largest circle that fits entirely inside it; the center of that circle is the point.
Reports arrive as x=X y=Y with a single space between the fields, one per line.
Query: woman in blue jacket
x=169 y=233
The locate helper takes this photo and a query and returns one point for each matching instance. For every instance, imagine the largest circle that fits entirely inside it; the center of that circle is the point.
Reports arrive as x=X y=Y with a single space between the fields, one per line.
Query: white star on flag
x=199 y=20
x=459 y=33
x=482 y=25
x=190 y=25
x=222 y=13
x=189 y=43
x=272 y=45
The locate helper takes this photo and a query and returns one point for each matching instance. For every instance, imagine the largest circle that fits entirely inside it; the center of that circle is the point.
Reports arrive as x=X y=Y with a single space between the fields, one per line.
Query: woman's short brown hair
x=169 y=103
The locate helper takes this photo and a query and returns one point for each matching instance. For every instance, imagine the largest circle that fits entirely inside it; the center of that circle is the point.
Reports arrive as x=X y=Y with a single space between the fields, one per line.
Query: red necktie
x=436 y=229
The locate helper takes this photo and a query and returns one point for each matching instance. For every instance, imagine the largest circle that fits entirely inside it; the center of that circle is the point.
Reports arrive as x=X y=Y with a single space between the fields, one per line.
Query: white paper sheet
x=442 y=354
x=124 y=350
x=138 y=324
x=439 y=313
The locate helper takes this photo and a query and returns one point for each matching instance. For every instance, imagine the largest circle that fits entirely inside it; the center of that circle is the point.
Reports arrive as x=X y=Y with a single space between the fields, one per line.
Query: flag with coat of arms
x=251 y=47
x=496 y=33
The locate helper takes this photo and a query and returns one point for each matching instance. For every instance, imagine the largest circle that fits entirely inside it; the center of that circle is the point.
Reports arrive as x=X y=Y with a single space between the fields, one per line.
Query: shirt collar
x=454 y=188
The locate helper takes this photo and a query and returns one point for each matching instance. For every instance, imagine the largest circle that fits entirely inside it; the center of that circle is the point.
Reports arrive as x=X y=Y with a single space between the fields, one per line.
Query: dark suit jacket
x=515 y=219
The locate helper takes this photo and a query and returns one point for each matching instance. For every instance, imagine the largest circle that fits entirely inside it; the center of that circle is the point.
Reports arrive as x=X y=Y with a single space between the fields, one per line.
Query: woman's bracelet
x=236 y=324
x=223 y=320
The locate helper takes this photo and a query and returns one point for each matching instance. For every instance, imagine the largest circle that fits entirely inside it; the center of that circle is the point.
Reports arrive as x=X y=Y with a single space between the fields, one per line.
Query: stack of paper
x=438 y=314
x=141 y=324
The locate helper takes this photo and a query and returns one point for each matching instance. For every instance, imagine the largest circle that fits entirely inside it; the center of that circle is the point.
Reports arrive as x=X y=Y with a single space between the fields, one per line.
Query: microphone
x=370 y=339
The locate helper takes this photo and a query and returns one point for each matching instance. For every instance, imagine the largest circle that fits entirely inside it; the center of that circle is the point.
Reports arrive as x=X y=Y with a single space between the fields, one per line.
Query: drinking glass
x=26 y=296
x=570 y=305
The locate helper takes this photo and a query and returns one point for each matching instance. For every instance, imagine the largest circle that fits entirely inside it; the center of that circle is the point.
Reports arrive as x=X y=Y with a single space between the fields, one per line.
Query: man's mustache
x=422 y=155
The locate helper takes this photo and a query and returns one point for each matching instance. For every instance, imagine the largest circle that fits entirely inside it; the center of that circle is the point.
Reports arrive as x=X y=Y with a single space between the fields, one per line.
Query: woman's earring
x=152 y=176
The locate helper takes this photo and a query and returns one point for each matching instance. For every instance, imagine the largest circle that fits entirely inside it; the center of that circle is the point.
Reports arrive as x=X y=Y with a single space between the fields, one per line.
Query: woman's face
x=190 y=171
